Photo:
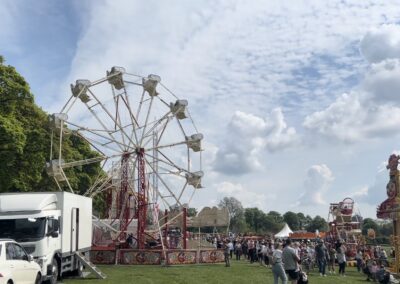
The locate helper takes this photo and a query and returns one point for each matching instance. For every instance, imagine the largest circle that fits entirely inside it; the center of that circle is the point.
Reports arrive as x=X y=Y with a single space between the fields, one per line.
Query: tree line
x=257 y=221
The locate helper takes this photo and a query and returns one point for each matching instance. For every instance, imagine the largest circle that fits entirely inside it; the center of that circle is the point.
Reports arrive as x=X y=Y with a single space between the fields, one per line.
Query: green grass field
x=239 y=272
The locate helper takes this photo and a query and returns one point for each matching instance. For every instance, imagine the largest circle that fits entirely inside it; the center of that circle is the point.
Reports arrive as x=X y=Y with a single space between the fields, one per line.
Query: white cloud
x=371 y=110
x=247 y=197
x=316 y=184
x=338 y=119
x=375 y=193
x=381 y=43
x=248 y=136
x=353 y=118
x=382 y=81
x=361 y=193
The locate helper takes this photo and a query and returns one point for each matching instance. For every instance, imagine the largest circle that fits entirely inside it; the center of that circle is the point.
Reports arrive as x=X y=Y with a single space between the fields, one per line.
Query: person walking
x=341 y=257
x=290 y=262
x=359 y=260
x=322 y=256
x=230 y=245
x=245 y=249
x=332 y=259
x=277 y=265
x=252 y=252
x=238 y=250
x=226 y=253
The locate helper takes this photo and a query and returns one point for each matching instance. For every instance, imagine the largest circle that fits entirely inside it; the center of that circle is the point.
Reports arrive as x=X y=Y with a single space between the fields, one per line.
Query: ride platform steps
x=90 y=266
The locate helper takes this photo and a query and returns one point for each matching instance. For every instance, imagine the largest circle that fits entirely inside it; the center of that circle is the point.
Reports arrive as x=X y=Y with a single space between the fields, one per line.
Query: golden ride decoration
x=371 y=234
x=390 y=208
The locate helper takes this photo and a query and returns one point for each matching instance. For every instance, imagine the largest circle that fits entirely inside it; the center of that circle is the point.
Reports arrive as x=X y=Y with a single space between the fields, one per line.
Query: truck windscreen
x=23 y=230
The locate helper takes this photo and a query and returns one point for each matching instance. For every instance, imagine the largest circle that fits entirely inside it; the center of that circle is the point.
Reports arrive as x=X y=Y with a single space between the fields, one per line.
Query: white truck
x=54 y=227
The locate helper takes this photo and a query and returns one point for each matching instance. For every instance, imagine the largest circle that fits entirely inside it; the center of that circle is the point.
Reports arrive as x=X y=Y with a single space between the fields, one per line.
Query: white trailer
x=54 y=227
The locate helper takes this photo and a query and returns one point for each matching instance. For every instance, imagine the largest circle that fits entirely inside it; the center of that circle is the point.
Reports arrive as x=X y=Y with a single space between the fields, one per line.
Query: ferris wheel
x=148 y=146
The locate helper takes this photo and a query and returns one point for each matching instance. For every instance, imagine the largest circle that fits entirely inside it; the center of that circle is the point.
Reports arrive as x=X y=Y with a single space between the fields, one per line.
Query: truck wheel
x=54 y=274
x=38 y=279
x=79 y=271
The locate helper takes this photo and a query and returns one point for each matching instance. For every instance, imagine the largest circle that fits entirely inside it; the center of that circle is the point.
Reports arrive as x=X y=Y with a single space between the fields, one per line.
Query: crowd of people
x=292 y=261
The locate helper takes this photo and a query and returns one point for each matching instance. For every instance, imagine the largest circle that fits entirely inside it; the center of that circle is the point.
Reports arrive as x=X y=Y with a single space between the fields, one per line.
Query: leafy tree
x=292 y=219
x=191 y=212
x=318 y=223
x=255 y=219
x=368 y=223
x=304 y=221
x=269 y=224
x=276 y=216
x=386 y=229
x=25 y=142
x=236 y=212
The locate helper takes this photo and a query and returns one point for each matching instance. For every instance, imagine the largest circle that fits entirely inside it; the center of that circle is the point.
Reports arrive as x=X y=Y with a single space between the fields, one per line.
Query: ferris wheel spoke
x=183 y=189
x=94 y=142
x=70 y=100
x=167 y=146
x=134 y=121
x=162 y=131
x=100 y=177
x=169 y=163
x=155 y=125
x=121 y=129
x=88 y=161
x=164 y=183
x=169 y=172
x=164 y=102
x=191 y=119
x=155 y=134
x=181 y=127
x=147 y=119
x=191 y=197
x=140 y=104
x=99 y=187
x=110 y=139
x=168 y=90
x=117 y=116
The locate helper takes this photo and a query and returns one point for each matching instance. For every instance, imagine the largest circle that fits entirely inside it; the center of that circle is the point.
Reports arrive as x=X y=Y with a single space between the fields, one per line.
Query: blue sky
x=298 y=100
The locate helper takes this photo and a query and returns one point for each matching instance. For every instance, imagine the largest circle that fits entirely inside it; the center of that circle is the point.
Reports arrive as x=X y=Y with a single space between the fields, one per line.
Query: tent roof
x=284 y=233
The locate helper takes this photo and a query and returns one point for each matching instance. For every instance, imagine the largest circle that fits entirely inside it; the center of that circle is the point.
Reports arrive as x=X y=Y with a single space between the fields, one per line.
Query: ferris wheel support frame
x=142 y=202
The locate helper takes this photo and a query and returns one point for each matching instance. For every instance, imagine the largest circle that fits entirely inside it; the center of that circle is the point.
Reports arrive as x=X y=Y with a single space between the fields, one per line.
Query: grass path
x=240 y=272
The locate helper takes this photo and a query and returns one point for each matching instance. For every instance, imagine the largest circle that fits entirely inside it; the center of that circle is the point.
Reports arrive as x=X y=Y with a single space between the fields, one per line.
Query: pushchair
x=303 y=278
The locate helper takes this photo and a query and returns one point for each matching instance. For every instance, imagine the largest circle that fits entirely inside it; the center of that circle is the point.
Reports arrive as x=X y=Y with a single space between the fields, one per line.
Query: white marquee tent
x=284 y=233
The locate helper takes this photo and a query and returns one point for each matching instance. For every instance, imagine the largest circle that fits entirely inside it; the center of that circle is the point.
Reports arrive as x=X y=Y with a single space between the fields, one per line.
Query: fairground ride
x=390 y=208
x=148 y=147
x=344 y=225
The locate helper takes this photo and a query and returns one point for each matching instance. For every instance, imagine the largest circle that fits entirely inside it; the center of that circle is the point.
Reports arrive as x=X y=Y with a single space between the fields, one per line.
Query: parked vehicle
x=16 y=266
x=55 y=227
